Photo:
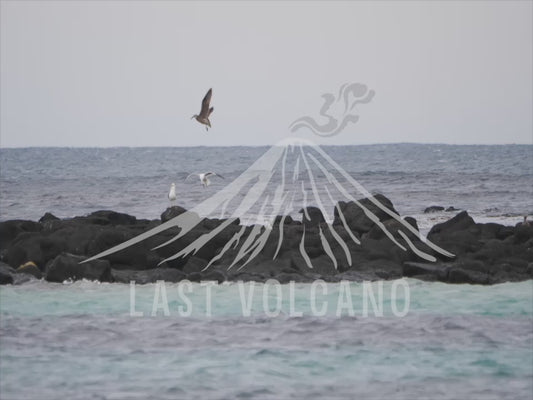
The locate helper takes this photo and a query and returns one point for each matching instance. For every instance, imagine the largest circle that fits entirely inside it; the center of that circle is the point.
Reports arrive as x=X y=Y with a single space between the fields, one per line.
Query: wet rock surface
x=362 y=243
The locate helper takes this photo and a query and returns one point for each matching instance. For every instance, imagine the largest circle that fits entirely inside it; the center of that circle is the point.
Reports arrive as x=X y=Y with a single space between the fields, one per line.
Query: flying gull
x=205 y=112
x=204 y=178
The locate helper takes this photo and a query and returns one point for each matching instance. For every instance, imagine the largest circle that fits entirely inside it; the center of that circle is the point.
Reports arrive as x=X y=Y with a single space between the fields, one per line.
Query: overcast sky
x=132 y=73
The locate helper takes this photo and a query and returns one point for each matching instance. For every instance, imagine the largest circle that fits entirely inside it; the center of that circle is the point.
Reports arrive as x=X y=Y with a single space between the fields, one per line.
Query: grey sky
x=132 y=73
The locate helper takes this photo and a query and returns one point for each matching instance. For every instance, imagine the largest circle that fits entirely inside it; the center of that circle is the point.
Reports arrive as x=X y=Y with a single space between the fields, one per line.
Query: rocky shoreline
x=52 y=249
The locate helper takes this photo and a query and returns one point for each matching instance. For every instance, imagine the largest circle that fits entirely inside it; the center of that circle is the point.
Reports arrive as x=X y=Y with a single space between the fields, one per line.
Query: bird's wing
x=214 y=174
x=211 y=110
x=205 y=103
x=193 y=174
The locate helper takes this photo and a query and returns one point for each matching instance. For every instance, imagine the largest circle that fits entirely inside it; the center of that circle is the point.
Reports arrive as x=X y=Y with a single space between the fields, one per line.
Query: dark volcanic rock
x=360 y=249
x=523 y=233
x=323 y=265
x=286 y=277
x=411 y=221
x=24 y=248
x=383 y=249
x=292 y=235
x=485 y=253
x=67 y=266
x=215 y=275
x=31 y=269
x=288 y=220
x=355 y=215
x=492 y=231
x=492 y=250
x=460 y=222
x=460 y=275
x=147 y=276
x=247 y=277
x=428 y=271
x=6 y=274
x=138 y=256
x=48 y=217
x=9 y=230
x=503 y=271
x=195 y=276
x=226 y=229
x=50 y=249
x=9 y=275
x=106 y=217
x=194 y=264
x=172 y=212
x=268 y=268
x=74 y=237
x=315 y=216
x=432 y=209
x=392 y=226
x=379 y=269
x=459 y=235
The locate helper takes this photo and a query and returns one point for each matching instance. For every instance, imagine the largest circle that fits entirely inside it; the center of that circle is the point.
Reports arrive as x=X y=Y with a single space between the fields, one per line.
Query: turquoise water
x=80 y=341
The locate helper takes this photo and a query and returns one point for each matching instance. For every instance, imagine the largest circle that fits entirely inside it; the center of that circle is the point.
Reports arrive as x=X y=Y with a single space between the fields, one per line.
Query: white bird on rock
x=172 y=193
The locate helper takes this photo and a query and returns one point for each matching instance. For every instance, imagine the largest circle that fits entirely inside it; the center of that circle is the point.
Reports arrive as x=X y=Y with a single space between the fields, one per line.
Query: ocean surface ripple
x=491 y=182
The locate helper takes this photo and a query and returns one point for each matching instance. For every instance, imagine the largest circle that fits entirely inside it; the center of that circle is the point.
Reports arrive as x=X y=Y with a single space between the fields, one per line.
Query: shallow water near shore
x=80 y=340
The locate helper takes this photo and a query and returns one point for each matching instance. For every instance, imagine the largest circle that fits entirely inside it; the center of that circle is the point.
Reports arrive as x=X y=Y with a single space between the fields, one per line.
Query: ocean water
x=494 y=183
x=424 y=340
x=80 y=341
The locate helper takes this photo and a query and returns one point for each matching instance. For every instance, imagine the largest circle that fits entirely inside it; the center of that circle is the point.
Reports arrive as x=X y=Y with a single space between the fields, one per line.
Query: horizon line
x=256 y=145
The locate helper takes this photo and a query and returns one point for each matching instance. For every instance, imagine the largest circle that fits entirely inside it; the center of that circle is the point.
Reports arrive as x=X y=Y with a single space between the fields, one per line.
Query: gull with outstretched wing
x=205 y=112
x=204 y=178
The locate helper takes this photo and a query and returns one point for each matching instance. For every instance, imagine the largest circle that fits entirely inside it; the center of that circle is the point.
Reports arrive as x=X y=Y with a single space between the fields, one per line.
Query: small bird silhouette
x=172 y=193
x=205 y=112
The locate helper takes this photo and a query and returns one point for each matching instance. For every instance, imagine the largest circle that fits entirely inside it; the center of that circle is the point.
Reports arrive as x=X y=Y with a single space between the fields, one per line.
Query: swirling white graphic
x=336 y=109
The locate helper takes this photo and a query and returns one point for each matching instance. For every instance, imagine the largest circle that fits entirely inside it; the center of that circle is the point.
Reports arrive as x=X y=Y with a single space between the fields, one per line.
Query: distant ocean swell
x=488 y=181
